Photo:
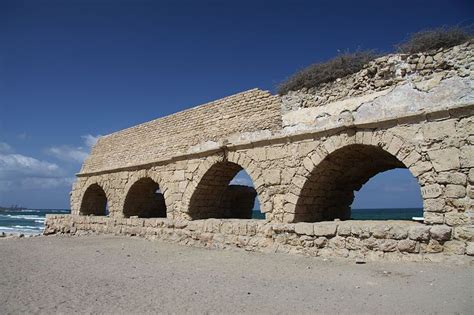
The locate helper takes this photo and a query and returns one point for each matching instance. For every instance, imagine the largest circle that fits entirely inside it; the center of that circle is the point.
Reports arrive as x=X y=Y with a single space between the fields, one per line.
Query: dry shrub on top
x=338 y=67
x=442 y=37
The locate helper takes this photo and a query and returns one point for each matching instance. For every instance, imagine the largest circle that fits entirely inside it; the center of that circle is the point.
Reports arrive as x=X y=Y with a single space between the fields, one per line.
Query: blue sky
x=73 y=70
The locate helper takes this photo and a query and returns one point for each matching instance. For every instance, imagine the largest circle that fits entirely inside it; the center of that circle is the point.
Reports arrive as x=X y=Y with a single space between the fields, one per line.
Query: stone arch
x=94 y=201
x=205 y=194
x=144 y=196
x=324 y=186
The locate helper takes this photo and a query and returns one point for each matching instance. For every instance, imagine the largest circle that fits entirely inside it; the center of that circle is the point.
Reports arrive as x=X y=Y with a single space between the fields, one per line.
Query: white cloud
x=17 y=164
x=68 y=153
x=74 y=154
x=90 y=140
x=19 y=172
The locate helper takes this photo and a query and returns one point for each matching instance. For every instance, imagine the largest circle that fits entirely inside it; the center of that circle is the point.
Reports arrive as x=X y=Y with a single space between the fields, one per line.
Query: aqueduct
x=306 y=152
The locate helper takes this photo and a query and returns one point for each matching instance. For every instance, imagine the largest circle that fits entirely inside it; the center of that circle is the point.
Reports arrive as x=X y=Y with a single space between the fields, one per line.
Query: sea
x=25 y=221
x=31 y=221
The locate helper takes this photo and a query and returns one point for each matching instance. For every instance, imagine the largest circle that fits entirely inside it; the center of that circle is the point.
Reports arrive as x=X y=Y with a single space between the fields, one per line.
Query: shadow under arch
x=328 y=191
x=145 y=200
x=94 y=201
x=213 y=197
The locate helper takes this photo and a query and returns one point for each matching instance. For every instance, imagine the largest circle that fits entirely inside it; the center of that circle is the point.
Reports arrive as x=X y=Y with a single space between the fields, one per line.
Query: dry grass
x=443 y=37
x=328 y=71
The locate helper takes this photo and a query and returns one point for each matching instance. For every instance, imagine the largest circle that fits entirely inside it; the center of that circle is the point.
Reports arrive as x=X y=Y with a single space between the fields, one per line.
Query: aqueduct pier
x=306 y=152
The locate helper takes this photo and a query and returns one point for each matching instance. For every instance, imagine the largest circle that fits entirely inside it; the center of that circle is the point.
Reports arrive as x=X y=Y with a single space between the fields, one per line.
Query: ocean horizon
x=31 y=221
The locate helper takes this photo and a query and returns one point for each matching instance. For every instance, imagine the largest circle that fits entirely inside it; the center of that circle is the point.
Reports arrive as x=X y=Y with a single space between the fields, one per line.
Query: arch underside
x=329 y=190
x=94 y=201
x=144 y=200
x=215 y=198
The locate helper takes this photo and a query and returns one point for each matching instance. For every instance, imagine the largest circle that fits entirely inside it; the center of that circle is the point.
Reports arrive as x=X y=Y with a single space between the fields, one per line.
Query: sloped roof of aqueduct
x=176 y=134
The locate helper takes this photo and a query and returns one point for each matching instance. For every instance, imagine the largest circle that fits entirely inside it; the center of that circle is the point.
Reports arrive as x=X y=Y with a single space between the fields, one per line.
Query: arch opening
x=390 y=195
x=145 y=200
x=224 y=192
x=328 y=192
x=94 y=201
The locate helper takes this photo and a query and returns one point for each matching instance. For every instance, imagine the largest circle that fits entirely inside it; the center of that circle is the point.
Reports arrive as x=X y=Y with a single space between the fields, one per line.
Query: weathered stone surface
x=440 y=232
x=398 y=232
x=464 y=233
x=433 y=218
x=456 y=219
x=433 y=247
x=470 y=249
x=431 y=191
x=471 y=175
x=419 y=233
x=455 y=191
x=435 y=205
x=455 y=247
x=380 y=230
x=451 y=178
x=388 y=245
x=408 y=246
x=304 y=228
x=445 y=159
x=325 y=229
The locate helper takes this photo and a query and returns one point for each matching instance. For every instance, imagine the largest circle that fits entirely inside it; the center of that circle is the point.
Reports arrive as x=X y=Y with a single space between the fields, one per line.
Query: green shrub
x=442 y=37
x=328 y=71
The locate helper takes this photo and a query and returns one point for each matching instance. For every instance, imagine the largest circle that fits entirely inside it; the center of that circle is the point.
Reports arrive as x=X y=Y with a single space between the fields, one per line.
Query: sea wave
x=23 y=217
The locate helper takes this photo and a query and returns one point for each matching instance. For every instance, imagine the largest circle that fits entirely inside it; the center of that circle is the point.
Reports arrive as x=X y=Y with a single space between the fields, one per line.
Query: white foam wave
x=24 y=217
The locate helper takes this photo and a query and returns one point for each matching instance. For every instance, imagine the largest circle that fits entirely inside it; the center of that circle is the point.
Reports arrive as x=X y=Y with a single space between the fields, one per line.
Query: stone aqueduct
x=306 y=152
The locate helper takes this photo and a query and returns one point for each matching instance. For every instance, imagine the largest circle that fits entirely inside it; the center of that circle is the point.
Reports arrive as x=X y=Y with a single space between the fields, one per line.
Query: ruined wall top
x=186 y=131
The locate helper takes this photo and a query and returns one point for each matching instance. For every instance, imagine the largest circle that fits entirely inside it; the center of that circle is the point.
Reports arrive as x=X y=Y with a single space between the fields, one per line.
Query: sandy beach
x=106 y=274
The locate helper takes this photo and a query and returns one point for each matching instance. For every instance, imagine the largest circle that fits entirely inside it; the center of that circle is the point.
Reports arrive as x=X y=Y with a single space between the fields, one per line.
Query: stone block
x=434 y=205
x=337 y=242
x=421 y=168
x=431 y=191
x=380 y=230
x=467 y=156
x=320 y=242
x=433 y=218
x=464 y=233
x=371 y=243
x=388 y=245
x=408 y=246
x=433 y=247
x=360 y=231
x=353 y=243
x=272 y=176
x=344 y=230
x=457 y=218
x=304 y=228
x=440 y=232
x=455 y=247
x=455 y=178
x=325 y=229
x=455 y=191
x=471 y=175
x=419 y=233
x=439 y=130
x=398 y=232
x=445 y=159
x=470 y=249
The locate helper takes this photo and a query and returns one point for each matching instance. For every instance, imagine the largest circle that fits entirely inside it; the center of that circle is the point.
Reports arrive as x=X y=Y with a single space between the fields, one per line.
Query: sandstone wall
x=369 y=240
x=202 y=127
